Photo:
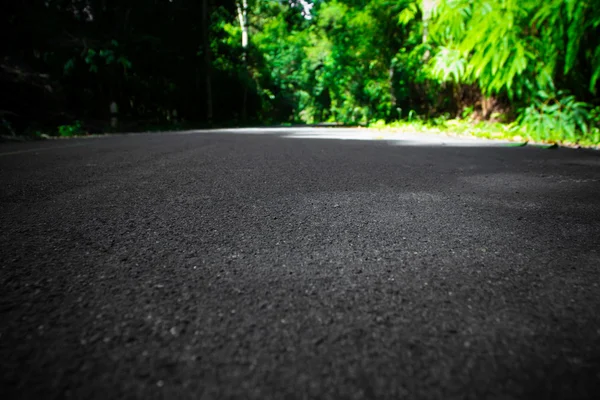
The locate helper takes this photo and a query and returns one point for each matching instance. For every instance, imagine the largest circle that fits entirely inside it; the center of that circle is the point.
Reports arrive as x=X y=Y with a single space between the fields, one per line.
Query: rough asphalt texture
x=229 y=266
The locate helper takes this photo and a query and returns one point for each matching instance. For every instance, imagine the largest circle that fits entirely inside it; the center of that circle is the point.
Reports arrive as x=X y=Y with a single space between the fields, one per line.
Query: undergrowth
x=518 y=131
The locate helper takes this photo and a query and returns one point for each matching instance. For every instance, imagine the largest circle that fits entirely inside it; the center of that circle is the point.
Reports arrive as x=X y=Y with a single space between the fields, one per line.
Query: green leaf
x=408 y=14
x=124 y=62
x=575 y=32
x=596 y=70
x=69 y=66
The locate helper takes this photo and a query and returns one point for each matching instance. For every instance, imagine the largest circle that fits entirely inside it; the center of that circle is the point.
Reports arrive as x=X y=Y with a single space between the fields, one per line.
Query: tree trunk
x=242 y=10
x=207 y=61
x=243 y=16
x=427 y=9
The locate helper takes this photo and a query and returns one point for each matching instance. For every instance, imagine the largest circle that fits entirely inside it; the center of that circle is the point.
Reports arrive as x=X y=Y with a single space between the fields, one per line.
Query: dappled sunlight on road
x=390 y=137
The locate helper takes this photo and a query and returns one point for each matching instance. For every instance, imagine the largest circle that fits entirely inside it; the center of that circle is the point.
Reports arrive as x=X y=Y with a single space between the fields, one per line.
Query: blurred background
x=493 y=68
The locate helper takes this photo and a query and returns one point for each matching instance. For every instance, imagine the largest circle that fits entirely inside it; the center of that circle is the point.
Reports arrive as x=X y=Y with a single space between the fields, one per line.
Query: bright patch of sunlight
x=392 y=138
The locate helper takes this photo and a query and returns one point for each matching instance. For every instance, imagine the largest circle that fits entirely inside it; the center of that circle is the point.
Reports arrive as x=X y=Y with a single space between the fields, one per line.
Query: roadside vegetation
x=523 y=70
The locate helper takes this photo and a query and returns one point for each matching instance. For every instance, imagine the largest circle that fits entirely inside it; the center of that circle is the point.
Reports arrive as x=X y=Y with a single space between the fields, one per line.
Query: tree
x=516 y=46
x=242 y=10
x=166 y=63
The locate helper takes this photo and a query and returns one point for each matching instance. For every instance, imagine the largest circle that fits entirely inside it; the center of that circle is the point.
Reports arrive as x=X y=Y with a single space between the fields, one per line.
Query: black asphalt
x=248 y=266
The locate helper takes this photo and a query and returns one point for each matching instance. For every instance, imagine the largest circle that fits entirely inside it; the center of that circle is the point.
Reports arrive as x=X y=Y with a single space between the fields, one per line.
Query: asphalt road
x=225 y=265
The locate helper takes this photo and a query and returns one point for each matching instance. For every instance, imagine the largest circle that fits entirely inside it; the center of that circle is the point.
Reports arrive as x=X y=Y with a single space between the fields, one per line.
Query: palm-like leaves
x=514 y=44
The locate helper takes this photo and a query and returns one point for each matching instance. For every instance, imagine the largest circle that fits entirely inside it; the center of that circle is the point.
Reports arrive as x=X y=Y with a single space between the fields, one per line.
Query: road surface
x=298 y=264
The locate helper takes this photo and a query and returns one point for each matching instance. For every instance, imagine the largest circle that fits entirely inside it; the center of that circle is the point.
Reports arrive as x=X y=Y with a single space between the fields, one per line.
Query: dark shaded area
x=257 y=267
x=69 y=60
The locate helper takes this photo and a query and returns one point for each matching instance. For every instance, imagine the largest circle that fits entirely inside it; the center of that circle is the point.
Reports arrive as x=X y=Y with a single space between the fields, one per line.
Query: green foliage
x=514 y=134
x=555 y=118
x=467 y=112
x=105 y=56
x=513 y=46
x=567 y=24
x=449 y=65
x=89 y=59
x=409 y=13
x=73 y=129
x=421 y=62
x=334 y=67
x=453 y=127
x=69 y=66
x=594 y=117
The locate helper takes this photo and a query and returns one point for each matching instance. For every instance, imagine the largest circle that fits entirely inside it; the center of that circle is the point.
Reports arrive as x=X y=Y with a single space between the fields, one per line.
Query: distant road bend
x=298 y=264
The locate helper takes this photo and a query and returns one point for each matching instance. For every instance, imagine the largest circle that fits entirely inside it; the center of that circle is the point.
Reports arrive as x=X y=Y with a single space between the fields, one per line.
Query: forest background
x=519 y=69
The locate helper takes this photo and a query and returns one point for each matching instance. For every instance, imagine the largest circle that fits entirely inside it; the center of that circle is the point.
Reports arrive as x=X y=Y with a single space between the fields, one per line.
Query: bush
x=555 y=118
x=71 y=130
